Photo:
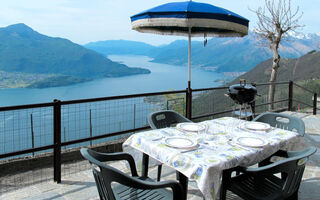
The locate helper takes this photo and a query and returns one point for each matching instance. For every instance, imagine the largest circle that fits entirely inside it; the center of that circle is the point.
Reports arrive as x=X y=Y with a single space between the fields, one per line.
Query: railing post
x=90 y=127
x=315 y=98
x=189 y=103
x=290 y=96
x=32 y=132
x=134 y=116
x=57 y=141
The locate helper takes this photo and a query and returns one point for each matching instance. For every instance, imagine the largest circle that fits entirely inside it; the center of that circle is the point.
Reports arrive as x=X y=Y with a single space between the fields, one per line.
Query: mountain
x=303 y=68
x=303 y=71
x=120 y=47
x=234 y=54
x=178 y=48
x=24 y=50
x=220 y=54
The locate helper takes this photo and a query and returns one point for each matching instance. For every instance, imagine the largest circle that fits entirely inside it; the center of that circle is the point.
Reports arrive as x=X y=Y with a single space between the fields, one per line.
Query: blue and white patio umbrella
x=190 y=19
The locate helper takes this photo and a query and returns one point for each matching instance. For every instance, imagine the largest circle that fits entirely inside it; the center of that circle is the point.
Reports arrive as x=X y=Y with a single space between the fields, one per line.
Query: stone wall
x=45 y=160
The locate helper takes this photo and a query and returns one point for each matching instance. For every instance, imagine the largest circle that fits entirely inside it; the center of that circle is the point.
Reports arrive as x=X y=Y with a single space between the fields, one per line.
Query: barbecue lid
x=243 y=87
x=242 y=93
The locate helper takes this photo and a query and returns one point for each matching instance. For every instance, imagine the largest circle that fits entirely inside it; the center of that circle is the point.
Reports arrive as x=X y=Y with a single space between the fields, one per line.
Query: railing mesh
x=210 y=102
x=26 y=128
x=92 y=119
x=302 y=99
x=262 y=101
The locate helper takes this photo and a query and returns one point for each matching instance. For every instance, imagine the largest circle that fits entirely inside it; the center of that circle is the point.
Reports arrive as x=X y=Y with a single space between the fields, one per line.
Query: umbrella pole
x=189 y=57
x=189 y=93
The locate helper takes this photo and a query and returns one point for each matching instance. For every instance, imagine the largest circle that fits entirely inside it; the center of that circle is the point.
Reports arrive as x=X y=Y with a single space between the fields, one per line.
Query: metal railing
x=314 y=97
x=50 y=128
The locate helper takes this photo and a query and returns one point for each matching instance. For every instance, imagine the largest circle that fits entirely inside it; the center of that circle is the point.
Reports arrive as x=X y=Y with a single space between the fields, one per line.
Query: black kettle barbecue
x=243 y=92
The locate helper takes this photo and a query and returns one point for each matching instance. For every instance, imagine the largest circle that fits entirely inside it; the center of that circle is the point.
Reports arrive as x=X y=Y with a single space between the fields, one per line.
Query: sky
x=84 y=21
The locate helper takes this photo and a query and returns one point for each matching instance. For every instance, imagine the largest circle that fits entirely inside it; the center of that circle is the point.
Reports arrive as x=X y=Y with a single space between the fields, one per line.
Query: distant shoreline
x=12 y=80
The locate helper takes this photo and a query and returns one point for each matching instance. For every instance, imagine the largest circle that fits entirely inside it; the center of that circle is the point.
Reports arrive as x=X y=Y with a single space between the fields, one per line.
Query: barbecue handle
x=242 y=82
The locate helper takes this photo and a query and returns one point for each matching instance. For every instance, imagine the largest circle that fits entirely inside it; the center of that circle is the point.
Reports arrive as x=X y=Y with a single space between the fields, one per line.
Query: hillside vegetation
x=306 y=67
x=23 y=50
x=304 y=71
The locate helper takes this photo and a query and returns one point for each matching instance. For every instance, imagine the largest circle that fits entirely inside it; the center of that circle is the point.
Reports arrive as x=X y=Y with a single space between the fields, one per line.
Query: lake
x=163 y=77
x=24 y=129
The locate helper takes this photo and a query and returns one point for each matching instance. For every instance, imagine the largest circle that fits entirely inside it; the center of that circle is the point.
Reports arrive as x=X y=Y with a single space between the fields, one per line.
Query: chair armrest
x=255 y=170
x=280 y=153
x=267 y=161
x=272 y=168
x=282 y=165
x=104 y=157
x=293 y=153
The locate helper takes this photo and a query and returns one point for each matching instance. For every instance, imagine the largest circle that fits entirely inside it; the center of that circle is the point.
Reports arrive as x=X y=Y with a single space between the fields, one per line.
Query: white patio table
x=217 y=148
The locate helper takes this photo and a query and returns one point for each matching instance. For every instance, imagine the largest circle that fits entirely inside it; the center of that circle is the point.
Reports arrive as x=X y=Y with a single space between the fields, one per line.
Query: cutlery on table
x=190 y=150
x=160 y=138
x=231 y=143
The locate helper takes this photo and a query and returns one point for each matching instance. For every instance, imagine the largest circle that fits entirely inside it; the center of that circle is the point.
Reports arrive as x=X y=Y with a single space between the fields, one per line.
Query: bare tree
x=275 y=19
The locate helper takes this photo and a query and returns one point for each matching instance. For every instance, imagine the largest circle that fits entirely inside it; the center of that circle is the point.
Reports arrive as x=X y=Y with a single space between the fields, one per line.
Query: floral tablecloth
x=217 y=150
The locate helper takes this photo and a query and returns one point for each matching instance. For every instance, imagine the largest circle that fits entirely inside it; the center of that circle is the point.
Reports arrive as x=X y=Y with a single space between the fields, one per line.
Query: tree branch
x=276 y=18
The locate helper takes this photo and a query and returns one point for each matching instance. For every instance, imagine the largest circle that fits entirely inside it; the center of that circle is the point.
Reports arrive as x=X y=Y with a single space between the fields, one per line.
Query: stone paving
x=81 y=185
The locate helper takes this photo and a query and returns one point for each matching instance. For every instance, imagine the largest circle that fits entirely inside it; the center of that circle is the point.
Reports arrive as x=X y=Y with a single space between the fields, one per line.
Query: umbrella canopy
x=176 y=18
x=190 y=18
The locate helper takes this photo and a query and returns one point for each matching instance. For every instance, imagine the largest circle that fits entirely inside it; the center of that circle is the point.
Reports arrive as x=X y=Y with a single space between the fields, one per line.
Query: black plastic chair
x=126 y=187
x=262 y=183
x=163 y=119
x=282 y=121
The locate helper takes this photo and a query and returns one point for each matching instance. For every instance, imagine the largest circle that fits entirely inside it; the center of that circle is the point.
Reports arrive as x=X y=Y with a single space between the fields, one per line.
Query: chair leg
x=183 y=180
x=145 y=165
x=177 y=175
x=294 y=196
x=159 y=172
x=223 y=191
x=226 y=175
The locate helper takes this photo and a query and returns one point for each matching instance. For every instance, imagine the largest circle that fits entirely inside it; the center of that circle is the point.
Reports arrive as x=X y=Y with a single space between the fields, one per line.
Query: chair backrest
x=292 y=168
x=283 y=121
x=166 y=118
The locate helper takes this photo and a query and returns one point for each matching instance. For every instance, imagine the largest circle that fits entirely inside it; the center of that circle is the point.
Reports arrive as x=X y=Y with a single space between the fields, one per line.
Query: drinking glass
x=232 y=127
x=202 y=131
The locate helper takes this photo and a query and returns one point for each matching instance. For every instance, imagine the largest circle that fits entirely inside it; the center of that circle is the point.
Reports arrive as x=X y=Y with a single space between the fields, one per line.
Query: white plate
x=257 y=126
x=180 y=143
x=192 y=127
x=251 y=141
